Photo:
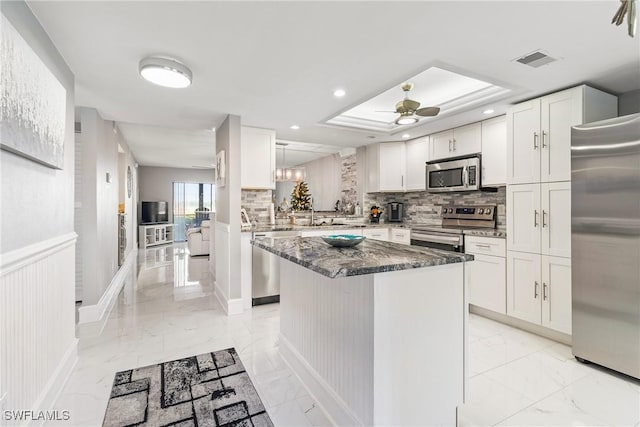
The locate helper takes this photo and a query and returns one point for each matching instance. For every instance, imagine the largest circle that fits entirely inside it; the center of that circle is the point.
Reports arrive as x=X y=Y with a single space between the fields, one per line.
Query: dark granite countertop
x=290 y=227
x=371 y=256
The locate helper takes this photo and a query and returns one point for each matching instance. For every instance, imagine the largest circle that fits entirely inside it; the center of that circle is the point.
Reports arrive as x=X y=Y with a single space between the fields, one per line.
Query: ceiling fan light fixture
x=165 y=72
x=406 y=120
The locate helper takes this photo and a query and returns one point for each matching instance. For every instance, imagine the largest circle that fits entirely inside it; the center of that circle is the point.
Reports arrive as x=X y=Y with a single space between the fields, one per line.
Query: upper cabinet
x=417 y=153
x=386 y=164
x=457 y=142
x=494 y=147
x=539 y=132
x=258 y=164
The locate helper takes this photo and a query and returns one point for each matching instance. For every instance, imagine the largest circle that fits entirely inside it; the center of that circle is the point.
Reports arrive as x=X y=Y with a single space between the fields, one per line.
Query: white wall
x=37 y=320
x=227 y=225
x=629 y=103
x=156 y=183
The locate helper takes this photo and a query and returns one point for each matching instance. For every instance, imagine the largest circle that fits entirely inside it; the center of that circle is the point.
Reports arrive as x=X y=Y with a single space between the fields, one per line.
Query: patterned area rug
x=212 y=389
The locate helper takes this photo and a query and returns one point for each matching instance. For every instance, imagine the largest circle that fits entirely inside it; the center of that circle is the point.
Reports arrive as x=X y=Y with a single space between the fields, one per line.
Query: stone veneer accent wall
x=424 y=208
x=256 y=203
x=349 y=186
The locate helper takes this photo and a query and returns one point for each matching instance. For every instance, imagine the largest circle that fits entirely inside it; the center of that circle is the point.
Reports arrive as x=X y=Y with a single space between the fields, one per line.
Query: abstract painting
x=33 y=111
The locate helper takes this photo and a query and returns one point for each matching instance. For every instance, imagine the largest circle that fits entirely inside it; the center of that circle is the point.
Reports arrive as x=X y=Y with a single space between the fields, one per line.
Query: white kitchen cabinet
x=539 y=132
x=539 y=218
x=400 y=235
x=386 y=164
x=461 y=141
x=539 y=290
x=258 y=161
x=486 y=274
x=494 y=152
x=376 y=233
x=417 y=154
x=556 y=293
x=523 y=218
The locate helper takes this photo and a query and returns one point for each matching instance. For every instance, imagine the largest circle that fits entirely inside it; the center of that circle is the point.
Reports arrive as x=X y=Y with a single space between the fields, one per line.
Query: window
x=192 y=203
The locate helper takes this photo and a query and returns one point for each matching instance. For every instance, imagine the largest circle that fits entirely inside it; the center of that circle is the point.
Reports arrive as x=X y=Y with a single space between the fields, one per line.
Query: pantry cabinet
x=539 y=290
x=417 y=154
x=494 y=147
x=386 y=163
x=461 y=141
x=539 y=218
x=258 y=158
x=539 y=132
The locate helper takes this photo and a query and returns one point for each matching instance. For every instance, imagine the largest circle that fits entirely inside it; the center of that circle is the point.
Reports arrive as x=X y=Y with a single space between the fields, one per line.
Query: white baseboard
x=329 y=402
x=230 y=306
x=100 y=312
x=55 y=385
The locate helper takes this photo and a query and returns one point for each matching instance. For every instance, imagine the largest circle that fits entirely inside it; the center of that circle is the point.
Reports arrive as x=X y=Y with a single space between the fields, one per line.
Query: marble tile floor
x=516 y=378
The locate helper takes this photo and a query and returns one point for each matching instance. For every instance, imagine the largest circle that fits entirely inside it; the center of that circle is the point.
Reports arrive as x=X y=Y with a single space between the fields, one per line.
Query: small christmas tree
x=300 y=197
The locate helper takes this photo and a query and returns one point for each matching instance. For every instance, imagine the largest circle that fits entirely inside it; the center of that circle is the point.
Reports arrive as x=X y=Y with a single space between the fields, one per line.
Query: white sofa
x=198 y=239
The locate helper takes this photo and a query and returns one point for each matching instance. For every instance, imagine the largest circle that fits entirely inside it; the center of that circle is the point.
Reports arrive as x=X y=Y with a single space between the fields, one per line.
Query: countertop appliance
x=374 y=215
x=449 y=235
x=605 y=243
x=265 y=270
x=461 y=174
x=395 y=211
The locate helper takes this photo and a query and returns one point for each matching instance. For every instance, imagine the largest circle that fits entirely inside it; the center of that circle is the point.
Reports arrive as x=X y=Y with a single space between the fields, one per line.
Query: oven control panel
x=468 y=212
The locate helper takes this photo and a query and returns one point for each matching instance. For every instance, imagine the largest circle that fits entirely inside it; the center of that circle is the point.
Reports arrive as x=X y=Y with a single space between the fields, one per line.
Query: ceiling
x=276 y=64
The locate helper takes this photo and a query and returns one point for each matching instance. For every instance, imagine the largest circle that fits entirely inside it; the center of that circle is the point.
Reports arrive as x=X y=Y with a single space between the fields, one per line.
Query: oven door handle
x=437 y=239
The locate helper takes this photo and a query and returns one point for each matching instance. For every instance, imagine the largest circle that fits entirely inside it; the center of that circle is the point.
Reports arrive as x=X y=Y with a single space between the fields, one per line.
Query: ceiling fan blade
x=428 y=111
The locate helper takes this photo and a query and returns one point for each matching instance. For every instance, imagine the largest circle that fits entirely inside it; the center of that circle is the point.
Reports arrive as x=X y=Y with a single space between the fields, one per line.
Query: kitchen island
x=376 y=332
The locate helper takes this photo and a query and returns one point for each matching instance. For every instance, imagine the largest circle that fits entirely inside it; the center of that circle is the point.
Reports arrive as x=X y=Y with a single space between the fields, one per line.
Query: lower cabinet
x=539 y=289
x=400 y=235
x=486 y=276
x=376 y=233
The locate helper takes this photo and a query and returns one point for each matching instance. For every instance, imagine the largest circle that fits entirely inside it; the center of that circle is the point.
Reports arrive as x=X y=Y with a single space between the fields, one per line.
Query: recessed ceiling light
x=165 y=72
x=406 y=135
x=339 y=93
x=295 y=127
x=487 y=111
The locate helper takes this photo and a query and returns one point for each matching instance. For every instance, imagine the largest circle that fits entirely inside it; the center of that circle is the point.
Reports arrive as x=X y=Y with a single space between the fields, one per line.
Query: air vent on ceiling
x=78 y=127
x=535 y=59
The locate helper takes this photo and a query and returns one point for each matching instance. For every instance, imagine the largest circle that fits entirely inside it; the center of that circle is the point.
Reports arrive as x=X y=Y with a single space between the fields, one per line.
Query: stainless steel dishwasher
x=265 y=269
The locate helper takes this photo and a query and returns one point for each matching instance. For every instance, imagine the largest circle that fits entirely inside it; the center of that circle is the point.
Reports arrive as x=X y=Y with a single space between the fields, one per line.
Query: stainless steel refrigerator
x=605 y=243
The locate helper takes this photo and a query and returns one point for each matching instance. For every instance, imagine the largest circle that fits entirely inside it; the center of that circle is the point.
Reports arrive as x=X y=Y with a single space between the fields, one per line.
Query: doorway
x=192 y=203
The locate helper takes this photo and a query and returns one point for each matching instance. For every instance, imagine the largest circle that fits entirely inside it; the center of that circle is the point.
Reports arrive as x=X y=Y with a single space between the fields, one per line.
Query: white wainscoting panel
x=329 y=322
x=38 y=348
x=223 y=271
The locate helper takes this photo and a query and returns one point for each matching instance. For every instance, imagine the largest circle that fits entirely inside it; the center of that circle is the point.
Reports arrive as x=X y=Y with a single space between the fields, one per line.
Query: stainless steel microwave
x=461 y=174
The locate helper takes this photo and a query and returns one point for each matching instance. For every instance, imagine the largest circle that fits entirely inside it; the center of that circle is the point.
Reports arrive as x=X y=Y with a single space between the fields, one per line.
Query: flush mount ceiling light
x=165 y=72
x=295 y=127
x=487 y=111
x=406 y=135
x=339 y=93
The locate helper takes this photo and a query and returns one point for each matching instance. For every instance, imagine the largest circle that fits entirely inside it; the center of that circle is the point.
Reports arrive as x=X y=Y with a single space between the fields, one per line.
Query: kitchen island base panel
x=378 y=349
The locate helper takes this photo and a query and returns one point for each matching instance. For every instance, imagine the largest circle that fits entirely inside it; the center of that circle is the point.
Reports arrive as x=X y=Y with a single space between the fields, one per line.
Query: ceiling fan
x=409 y=109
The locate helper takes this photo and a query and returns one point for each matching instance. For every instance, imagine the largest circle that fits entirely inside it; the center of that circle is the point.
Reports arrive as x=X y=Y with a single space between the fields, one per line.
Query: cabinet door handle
x=544 y=139
x=544 y=215
x=454 y=144
x=535 y=140
x=535 y=218
x=480 y=245
x=449 y=145
x=544 y=291
x=402 y=181
x=535 y=290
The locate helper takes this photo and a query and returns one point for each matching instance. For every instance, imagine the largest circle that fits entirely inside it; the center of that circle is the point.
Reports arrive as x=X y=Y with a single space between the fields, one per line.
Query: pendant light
x=285 y=174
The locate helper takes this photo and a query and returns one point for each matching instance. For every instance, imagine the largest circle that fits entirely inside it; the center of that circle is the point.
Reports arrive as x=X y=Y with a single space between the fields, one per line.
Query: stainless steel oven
x=462 y=174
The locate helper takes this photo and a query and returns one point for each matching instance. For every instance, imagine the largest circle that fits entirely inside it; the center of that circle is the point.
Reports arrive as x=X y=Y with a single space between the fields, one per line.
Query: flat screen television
x=154 y=213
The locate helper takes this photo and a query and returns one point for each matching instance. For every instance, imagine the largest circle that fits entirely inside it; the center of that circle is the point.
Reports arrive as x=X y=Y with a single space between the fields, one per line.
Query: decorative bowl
x=343 y=240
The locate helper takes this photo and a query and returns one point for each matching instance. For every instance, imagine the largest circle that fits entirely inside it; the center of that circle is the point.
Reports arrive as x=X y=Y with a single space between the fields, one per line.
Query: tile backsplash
x=256 y=203
x=425 y=208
